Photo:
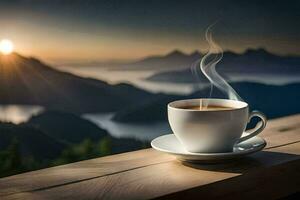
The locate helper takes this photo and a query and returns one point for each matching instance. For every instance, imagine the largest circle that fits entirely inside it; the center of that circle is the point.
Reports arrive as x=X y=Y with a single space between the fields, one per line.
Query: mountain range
x=175 y=67
x=250 y=60
x=65 y=97
x=173 y=60
x=29 y=81
x=274 y=101
x=253 y=62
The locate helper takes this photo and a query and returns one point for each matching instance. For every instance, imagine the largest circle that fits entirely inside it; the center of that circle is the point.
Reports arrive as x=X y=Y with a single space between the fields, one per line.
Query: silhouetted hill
x=72 y=129
x=274 y=101
x=54 y=138
x=67 y=127
x=29 y=81
x=33 y=142
x=45 y=136
x=148 y=111
x=252 y=62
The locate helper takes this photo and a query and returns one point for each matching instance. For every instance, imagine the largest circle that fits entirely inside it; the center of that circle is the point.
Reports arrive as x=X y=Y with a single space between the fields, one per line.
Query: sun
x=6 y=46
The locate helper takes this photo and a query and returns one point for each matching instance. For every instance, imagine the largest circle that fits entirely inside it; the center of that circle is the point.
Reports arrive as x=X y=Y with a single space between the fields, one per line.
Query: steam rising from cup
x=208 y=67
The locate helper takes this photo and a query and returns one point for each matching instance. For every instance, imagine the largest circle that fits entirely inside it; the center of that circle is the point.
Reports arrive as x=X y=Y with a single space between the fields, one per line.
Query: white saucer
x=169 y=144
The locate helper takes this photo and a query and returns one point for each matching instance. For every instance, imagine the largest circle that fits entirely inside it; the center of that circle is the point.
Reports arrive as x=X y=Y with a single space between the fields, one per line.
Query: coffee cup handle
x=258 y=128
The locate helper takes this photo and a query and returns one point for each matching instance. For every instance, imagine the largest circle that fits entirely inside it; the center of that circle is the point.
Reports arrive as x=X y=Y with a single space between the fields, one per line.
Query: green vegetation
x=84 y=150
x=12 y=162
x=10 y=159
x=55 y=138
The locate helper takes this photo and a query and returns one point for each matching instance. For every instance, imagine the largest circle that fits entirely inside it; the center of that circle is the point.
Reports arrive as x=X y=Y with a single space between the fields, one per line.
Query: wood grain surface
x=145 y=174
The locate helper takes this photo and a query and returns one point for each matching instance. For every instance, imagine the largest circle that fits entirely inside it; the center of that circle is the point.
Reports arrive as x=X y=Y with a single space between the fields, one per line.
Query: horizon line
x=130 y=60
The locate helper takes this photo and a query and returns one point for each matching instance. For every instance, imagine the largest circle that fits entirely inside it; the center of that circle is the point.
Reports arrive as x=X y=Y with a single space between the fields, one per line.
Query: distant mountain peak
x=16 y=57
x=175 y=53
x=259 y=50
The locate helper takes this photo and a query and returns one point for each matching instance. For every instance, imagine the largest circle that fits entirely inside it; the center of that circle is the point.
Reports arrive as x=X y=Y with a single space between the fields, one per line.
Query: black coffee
x=209 y=107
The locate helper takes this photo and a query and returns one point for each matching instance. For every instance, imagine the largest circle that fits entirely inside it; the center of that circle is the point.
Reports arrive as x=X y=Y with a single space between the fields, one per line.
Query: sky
x=85 y=30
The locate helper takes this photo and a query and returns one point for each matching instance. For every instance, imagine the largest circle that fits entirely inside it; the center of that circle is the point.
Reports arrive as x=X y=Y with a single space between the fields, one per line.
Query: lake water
x=145 y=132
x=18 y=113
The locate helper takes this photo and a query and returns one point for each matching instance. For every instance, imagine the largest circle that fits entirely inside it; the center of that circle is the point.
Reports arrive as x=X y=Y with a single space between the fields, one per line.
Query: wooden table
x=271 y=173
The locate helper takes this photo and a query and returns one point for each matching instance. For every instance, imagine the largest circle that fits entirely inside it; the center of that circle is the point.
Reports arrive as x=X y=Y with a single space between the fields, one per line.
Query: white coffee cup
x=212 y=131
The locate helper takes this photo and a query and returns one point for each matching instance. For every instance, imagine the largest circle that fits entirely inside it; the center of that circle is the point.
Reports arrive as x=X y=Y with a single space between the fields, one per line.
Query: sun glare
x=6 y=46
